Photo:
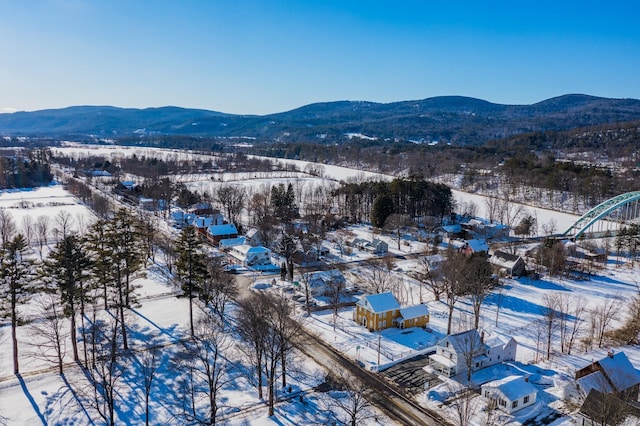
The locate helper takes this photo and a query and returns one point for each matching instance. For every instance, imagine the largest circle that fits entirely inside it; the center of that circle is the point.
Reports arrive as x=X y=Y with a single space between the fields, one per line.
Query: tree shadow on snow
x=23 y=385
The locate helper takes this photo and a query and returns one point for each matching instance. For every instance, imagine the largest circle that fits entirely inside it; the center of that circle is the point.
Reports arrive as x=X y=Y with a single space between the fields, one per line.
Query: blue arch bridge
x=607 y=217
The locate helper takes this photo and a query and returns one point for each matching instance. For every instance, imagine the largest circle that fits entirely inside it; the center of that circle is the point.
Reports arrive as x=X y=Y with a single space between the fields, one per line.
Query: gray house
x=507 y=264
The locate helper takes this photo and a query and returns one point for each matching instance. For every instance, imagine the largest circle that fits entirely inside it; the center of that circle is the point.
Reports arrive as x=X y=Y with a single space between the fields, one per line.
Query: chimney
x=526 y=379
x=482 y=337
x=610 y=353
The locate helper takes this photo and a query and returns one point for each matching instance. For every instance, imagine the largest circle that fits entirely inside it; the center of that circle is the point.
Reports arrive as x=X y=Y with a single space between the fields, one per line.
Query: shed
x=511 y=394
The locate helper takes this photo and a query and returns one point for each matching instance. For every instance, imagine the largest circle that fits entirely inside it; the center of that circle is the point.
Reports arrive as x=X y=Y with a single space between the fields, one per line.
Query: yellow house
x=380 y=311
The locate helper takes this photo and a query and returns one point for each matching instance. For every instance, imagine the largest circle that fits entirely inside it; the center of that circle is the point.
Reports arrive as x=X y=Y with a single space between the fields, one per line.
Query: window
x=447 y=344
x=502 y=403
x=514 y=404
x=526 y=399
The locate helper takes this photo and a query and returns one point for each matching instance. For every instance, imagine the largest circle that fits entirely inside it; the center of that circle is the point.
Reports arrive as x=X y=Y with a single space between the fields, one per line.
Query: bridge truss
x=608 y=215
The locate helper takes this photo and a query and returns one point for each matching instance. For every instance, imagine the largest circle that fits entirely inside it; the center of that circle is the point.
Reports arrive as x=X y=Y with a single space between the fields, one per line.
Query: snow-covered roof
x=452 y=229
x=231 y=242
x=442 y=360
x=478 y=245
x=504 y=259
x=411 y=312
x=332 y=275
x=247 y=249
x=496 y=341
x=595 y=380
x=512 y=387
x=464 y=342
x=202 y=222
x=252 y=232
x=620 y=371
x=226 y=229
x=382 y=302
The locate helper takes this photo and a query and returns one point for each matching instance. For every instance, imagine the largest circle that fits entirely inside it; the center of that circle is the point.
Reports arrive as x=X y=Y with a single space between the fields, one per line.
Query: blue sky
x=260 y=57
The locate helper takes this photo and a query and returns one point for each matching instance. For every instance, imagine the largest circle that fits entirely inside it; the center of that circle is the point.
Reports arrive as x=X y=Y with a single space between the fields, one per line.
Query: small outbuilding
x=511 y=394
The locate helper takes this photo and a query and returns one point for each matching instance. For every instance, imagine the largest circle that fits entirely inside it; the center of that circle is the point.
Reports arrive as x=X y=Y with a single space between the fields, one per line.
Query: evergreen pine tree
x=191 y=267
x=15 y=280
x=67 y=268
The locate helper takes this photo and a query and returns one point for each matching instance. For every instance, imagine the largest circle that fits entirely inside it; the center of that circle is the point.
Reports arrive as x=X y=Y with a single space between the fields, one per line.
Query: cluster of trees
x=628 y=240
x=376 y=201
x=25 y=168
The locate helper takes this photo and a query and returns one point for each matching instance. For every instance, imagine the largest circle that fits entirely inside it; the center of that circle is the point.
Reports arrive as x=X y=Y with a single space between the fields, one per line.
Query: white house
x=251 y=256
x=511 y=394
x=319 y=281
x=253 y=237
x=377 y=246
x=456 y=352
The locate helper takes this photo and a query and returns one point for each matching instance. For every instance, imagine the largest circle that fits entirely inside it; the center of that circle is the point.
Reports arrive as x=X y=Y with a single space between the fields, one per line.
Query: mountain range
x=446 y=119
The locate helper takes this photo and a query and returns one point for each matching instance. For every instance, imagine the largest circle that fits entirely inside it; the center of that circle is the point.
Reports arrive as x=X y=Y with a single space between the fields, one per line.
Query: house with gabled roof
x=456 y=352
x=413 y=316
x=511 y=393
x=320 y=282
x=251 y=256
x=215 y=233
x=612 y=374
x=380 y=311
x=507 y=264
x=376 y=246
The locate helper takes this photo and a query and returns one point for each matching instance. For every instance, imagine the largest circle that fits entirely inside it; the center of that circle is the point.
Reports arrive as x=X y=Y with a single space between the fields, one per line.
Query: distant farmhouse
x=380 y=311
x=375 y=246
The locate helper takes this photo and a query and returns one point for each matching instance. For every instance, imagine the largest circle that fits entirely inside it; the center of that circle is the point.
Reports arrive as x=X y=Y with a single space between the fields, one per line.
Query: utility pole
x=379 y=338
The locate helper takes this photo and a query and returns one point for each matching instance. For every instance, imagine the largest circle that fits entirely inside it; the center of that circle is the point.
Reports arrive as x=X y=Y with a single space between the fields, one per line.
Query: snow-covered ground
x=47 y=398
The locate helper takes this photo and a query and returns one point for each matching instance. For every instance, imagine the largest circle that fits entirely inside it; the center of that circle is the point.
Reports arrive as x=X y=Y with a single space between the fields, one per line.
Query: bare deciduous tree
x=106 y=371
x=218 y=289
x=427 y=275
x=27 y=228
x=377 y=278
x=550 y=314
x=348 y=406
x=51 y=333
x=605 y=314
x=149 y=362
x=207 y=370
x=43 y=224
x=452 y=281
x=63 y=223
x=7 y=227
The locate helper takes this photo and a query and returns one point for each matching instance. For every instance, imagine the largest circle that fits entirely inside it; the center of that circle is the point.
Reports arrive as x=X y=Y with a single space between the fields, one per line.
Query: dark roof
x=606 y=409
